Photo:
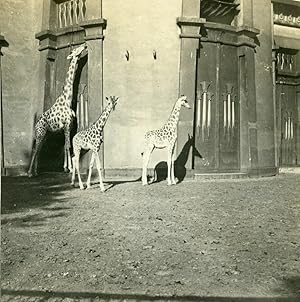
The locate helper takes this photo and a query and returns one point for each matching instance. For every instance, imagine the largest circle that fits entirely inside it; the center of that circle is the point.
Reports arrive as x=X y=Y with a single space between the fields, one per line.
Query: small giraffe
x=91 y=139
x=165 y=137
x=59 y=116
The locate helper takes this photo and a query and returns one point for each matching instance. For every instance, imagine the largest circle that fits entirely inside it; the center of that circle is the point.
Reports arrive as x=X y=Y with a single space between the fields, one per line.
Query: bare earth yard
x=218 y=238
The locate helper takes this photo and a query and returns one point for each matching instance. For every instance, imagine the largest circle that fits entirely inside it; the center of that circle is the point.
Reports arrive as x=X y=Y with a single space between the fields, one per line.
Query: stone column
x=298 y=125
x=47 y=47
x=49 y=15
x=248 y=130
x=245 y=17
x=190 y=24
x=3 y=43
x=93 y=9
x=94 y=39
x=262 y=18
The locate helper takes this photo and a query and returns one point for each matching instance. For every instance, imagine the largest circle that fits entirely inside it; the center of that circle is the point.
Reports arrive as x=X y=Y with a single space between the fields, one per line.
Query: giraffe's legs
x=65 y=160
x=169 y=162
x=36 y=150
x=74 y=171
x=173 y=181
x=76 y=167
x=67 y=153
x=88 y=182
x=146 y=157
x=98 y=164
x=33 y=163
x=69 y=161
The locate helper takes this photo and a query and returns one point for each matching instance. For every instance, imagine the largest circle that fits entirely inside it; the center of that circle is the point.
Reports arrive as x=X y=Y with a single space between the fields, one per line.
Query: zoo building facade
x=238 y=63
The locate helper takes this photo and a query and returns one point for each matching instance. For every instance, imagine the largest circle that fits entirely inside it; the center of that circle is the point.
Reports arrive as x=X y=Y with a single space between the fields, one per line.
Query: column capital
x=94 y=28
x=247 y=36
x=248 y=31
x=47 y=39
x=190 y=27
x=229 y=35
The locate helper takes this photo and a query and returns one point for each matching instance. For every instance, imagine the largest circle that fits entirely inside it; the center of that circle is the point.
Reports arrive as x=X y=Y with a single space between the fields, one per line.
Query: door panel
x=286 y=96
x=206 y=128
x=229 y=156
x=216 y=109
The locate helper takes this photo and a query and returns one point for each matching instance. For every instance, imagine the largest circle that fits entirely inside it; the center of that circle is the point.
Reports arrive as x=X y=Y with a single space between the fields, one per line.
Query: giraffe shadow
x=180 y=171
x=113 y=183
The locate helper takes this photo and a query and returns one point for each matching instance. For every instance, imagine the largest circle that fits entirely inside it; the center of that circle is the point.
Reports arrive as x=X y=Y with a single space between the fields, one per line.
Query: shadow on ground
x=34 y=295
x=113 y=183
x=292 y=284
x=180 y=171
x=22 y=195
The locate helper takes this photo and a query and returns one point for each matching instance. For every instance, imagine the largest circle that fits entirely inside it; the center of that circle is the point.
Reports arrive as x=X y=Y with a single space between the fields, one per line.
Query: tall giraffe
x=164 y=137
x=58 y=116
x=91 y=139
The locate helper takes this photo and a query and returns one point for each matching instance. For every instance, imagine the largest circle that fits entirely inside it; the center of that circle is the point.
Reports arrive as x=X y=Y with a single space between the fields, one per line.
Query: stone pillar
x=298 y=126
x=248 y=131
x=94 y=39
x=49 y=15
x=245 y=17
x=246 y=55
x=3 y=43
x=93 y=9
x=262 y=18
x=190 y=24
x=47 y=47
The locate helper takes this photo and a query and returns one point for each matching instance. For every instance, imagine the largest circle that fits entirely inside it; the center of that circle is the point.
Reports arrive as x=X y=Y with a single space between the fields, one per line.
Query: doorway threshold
x=223 y=175
x=289 y=170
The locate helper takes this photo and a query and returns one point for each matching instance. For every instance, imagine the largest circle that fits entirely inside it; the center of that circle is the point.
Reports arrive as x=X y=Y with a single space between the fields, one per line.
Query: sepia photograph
x=150 y=150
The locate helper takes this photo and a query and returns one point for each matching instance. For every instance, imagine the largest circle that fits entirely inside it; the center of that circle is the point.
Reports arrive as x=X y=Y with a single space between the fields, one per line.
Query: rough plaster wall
x=19 y=21
x=147 y=88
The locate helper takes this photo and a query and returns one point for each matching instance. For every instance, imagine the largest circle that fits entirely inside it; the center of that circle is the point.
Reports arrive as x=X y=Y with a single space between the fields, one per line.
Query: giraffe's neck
x=68 y=87
x=100 y=123
x=174 y=117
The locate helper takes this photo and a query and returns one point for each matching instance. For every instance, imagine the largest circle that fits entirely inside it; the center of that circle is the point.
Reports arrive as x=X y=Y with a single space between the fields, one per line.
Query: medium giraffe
x=91 y=139
x=58 y=116
x=165 y=137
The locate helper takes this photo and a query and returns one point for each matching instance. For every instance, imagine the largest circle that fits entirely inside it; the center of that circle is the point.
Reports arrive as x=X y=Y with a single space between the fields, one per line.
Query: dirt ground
x=214 y=238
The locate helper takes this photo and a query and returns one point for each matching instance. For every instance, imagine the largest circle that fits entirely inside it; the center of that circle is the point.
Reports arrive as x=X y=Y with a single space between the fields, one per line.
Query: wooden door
x=217 y=107
x=287 y=101
x=287 y=105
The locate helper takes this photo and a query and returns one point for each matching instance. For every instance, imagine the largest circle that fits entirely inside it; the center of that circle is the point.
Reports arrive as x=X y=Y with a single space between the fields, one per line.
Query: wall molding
x=85 y=31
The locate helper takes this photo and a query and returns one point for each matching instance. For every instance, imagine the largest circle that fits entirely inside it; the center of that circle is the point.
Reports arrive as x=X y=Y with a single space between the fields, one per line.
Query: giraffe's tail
x=35 y=120
x=33 y=141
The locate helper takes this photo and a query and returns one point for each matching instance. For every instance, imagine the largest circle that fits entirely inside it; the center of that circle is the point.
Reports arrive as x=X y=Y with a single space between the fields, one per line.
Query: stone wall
x=19 y=21
x=147 y=87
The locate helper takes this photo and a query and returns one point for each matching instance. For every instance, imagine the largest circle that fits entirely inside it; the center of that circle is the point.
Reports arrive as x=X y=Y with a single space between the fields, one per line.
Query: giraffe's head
x=76 y=52
x=183 y=102
x=112 y=101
